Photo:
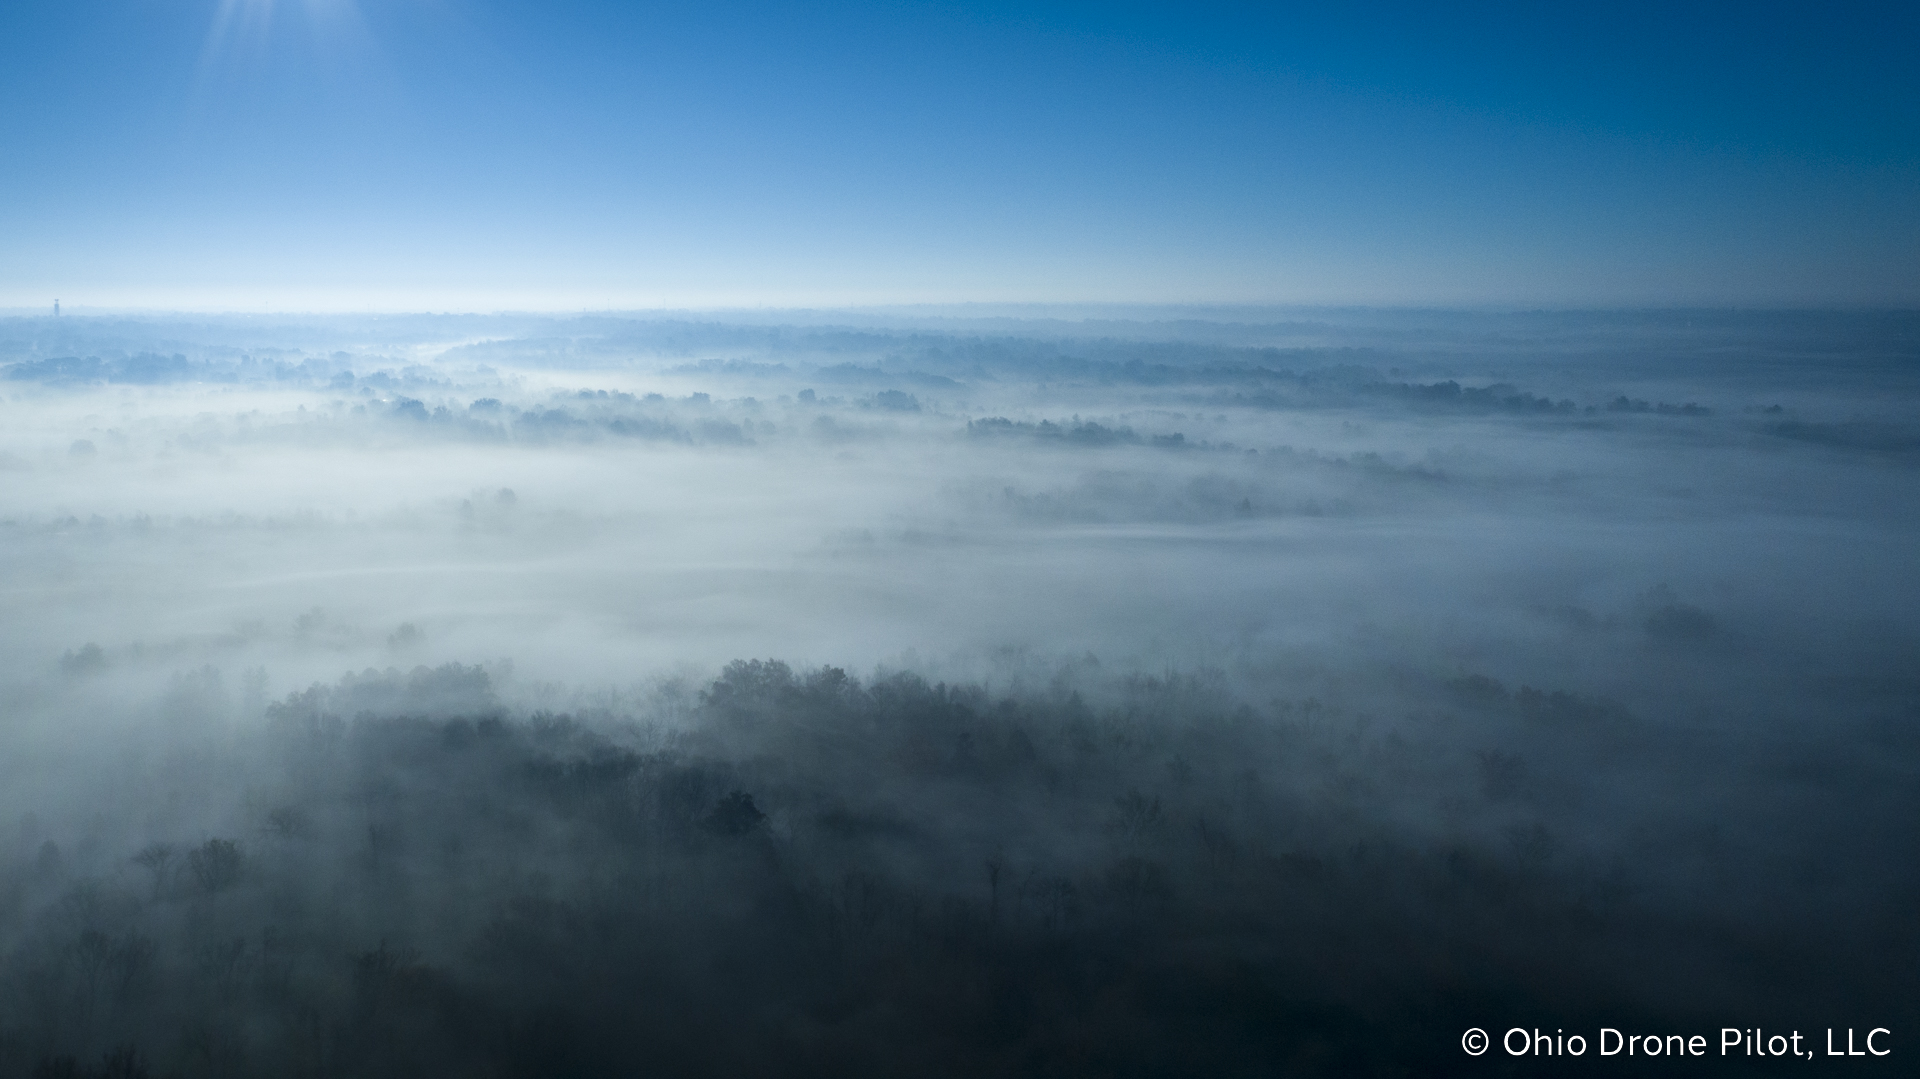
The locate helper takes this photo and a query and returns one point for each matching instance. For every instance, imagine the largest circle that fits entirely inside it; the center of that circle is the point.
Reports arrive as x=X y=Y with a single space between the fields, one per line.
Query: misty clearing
x=951 y=692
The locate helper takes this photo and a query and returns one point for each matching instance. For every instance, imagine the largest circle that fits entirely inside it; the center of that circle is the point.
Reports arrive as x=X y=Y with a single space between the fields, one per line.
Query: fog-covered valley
x=959 y=691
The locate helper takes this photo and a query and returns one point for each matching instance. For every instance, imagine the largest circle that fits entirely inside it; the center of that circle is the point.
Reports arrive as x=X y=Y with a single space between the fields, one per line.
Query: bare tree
x=155 y=858
x=215 y=864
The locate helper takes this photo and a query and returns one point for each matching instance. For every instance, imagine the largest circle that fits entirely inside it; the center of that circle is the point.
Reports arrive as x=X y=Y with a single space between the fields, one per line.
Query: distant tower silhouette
x=56 y=309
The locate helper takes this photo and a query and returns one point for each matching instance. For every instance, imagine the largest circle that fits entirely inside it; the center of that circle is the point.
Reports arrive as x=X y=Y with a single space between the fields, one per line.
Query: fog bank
x=1133 y=691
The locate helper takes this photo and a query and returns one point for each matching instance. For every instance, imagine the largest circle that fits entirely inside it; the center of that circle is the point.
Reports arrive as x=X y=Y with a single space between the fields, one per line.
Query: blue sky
x=477 y=155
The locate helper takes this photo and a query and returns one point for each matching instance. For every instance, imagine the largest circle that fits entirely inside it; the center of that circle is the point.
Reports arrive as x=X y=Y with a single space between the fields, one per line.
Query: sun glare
x=245 y=30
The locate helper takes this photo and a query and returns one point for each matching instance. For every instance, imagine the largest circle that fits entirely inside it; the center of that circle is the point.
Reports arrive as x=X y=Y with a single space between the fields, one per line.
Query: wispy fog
x=1118 y=691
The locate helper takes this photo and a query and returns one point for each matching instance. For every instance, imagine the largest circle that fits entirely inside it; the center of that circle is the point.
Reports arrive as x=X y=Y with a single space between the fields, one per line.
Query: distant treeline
x=152 y=368
x=1255 y=385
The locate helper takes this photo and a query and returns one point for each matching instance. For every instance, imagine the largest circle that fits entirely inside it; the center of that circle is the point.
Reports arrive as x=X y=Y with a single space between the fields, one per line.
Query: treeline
x=804 y=874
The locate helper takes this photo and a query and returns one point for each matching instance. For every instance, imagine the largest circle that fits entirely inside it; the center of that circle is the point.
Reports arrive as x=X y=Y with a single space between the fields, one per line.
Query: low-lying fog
x=1610 y=617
